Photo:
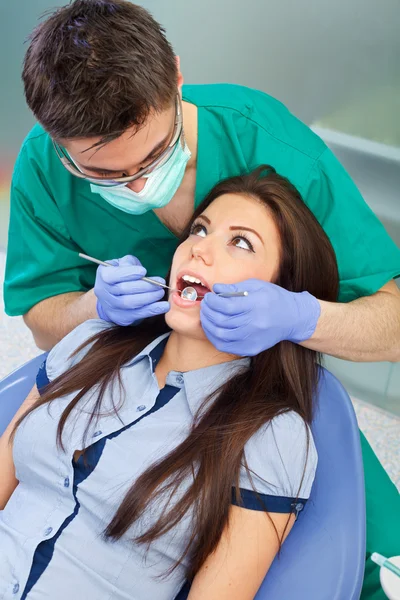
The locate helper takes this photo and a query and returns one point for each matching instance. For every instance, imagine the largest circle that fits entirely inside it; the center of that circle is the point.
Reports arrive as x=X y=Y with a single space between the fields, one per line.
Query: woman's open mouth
x=190 y=290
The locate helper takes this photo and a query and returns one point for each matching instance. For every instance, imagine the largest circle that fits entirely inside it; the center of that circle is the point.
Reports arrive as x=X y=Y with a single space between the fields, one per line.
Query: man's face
x=127 y=154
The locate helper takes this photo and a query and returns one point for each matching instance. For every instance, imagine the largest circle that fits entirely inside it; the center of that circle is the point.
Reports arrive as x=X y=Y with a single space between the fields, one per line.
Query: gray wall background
x=337 y=63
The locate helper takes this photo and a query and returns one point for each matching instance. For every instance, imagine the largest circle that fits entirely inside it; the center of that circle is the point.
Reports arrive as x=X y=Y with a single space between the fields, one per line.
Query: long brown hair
x=280 y=379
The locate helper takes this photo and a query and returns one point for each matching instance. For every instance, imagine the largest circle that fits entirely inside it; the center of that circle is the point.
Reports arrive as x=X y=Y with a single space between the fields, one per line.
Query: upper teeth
x=191 y=279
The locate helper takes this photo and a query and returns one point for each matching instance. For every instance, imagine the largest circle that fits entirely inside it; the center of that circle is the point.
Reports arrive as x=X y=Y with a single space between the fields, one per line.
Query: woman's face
x=234 y=239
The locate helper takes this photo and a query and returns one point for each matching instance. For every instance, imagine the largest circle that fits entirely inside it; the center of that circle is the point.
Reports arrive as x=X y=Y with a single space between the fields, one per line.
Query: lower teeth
x=189 y=293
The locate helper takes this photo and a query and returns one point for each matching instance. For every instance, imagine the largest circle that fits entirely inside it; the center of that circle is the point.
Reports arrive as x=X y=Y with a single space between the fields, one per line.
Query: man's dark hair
x=98 y=67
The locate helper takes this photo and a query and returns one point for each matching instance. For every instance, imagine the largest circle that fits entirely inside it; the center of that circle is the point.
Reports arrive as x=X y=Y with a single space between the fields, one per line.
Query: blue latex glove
x=269 y=314
x=123 y=297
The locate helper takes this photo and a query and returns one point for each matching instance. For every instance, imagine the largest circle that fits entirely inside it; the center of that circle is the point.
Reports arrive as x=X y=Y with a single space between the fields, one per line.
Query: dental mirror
x=189 y=293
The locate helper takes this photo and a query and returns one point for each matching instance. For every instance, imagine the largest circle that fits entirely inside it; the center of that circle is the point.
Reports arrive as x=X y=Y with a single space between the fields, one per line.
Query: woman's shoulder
x=64 y=354
x=287 y=429
x=283 y=453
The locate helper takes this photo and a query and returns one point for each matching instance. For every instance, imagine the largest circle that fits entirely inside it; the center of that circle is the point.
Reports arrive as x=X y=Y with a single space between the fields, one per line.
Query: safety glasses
x=155 y=164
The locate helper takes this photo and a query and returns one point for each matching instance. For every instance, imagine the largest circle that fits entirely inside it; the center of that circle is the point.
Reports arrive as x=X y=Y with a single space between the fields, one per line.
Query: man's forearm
x=51 y=319
x=367 y=329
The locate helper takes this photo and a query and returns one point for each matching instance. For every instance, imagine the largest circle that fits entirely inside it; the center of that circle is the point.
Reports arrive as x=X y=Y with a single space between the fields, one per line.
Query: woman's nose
x=202 y=249
x=137 y=185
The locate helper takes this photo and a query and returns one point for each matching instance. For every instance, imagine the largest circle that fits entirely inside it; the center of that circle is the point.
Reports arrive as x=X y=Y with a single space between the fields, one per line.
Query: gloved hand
x=250 y=324
x=123 y=297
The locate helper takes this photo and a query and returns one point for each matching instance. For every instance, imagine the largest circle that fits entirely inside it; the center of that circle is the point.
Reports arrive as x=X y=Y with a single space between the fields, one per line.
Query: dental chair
x=323 y=557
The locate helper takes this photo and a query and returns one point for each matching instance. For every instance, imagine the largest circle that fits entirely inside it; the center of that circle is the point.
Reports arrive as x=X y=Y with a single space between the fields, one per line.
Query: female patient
x=144 y=457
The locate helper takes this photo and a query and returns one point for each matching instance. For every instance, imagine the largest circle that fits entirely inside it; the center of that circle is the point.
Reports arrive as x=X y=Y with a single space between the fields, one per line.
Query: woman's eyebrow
x=238 y=228
x=206 y=219
x=234 y=227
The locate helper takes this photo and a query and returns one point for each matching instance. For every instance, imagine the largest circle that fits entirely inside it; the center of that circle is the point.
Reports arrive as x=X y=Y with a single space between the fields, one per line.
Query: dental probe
x=149 y=280
x=104 y=264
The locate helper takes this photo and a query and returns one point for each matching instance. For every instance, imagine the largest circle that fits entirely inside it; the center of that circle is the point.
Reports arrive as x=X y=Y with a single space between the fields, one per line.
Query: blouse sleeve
x=282 y=461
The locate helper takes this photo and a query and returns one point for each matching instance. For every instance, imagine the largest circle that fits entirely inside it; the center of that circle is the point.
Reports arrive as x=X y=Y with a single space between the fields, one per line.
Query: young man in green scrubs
x=106 y=88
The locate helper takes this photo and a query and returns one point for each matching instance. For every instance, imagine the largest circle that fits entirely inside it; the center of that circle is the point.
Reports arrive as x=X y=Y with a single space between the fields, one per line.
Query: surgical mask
x=158 y=190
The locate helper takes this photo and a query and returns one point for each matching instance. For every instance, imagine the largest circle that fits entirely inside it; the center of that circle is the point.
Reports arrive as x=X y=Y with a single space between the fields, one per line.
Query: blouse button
x=141 y=407
x=48 y=531
x=179 y=379
x=97 y=433
x=298 y=507
x=66 y=482
x=16 y=588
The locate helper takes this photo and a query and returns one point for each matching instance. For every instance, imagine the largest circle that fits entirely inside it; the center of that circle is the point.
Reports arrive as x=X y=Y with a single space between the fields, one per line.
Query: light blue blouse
x=51 y=543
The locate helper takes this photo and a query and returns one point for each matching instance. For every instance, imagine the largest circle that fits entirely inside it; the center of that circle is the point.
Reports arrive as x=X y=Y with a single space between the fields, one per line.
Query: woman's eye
x=198 y=230
x=242 y=242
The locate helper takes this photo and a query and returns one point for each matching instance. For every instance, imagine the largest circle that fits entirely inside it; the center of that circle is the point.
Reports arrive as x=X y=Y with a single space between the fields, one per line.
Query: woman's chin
x=184 y=321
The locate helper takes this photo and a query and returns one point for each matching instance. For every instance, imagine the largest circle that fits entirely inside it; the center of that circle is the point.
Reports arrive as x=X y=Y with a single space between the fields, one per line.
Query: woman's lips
x=181 y=284
x=176 y=298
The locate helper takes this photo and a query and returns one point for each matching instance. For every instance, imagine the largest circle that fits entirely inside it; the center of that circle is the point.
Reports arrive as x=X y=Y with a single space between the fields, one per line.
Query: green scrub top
x=54 y=215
